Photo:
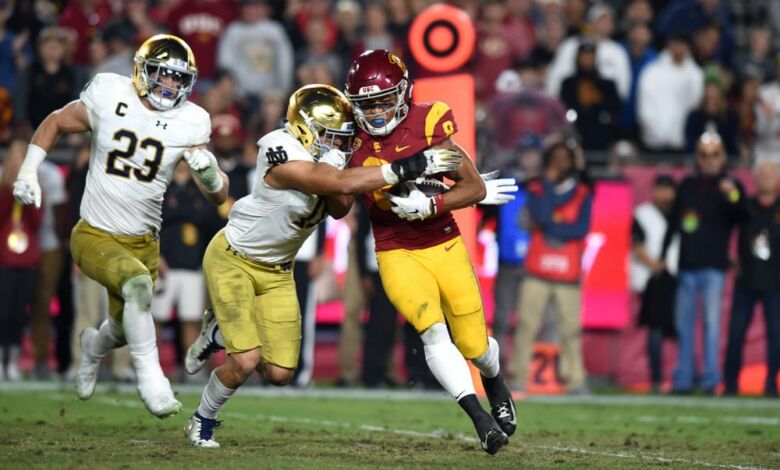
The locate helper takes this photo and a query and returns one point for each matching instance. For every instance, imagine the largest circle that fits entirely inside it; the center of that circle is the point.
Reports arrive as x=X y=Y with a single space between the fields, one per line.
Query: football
x=429 y=186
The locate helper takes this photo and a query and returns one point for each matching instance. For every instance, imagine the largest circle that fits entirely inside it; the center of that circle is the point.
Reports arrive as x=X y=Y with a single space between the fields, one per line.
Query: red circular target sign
x=442 y=38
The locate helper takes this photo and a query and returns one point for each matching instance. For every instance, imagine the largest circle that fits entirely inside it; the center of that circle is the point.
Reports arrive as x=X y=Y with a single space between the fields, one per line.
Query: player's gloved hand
x=26 y=187
x=206 y=168
x=414 y=206
x=428 y=162
x=499 y=191
x=335 y=158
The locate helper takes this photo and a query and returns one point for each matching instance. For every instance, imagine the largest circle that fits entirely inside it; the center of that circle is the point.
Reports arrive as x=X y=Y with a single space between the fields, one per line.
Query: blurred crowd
x=627 y=80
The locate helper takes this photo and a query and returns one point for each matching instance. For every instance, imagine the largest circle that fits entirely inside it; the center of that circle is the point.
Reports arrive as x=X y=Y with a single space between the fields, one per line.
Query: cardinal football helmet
x=374 y=75
x=318 y=116
x=160 y=56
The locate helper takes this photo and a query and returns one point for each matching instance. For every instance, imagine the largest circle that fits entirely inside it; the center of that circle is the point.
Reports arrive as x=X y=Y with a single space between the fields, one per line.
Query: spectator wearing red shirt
x=19 y=258
x=314 y=11
x=201 y=23
x=84 y=18
x=493 y=53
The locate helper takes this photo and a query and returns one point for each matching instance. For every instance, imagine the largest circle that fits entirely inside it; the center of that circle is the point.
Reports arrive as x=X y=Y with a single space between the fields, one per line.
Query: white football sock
x=487 y=363
x=110 y=336
x=446 y=362
x=139 y=327
x=214 y=397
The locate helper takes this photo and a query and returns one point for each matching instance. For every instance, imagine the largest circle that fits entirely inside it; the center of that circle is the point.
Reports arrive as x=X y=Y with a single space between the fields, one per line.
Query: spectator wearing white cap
x=611 y=58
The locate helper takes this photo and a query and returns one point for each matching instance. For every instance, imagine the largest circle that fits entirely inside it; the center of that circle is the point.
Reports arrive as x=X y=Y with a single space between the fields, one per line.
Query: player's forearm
x=220 y=196
x=465 y=193
x=47 y=133
x=72 y=118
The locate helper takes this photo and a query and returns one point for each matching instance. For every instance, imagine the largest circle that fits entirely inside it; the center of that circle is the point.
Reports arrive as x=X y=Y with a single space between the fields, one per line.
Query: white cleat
x=199 y=352
x=86 y=375
x=158 y=397
x=200 y=431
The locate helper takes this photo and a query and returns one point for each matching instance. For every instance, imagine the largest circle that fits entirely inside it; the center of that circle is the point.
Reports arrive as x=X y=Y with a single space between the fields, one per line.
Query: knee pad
x=138 y=290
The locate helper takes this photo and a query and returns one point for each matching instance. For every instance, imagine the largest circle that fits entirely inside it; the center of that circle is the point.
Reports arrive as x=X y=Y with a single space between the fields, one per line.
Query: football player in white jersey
x=142 y=126
x=248 y=265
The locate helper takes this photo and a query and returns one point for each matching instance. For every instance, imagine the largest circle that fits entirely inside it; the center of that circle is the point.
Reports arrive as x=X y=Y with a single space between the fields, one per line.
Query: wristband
x=29 y=169
x=389 y=175
x=438 y=204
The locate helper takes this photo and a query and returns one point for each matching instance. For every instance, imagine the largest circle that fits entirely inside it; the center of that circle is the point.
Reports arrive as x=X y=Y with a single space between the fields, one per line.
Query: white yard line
x=685 y=419
x=437 y=434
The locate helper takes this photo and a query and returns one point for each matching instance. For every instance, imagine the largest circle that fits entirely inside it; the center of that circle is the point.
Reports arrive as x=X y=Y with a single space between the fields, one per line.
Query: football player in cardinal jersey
x=142 y=126
x=248 y=265
x=423 y=263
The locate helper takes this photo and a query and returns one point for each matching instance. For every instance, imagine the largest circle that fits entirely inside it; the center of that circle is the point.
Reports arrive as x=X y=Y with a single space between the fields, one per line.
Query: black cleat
x=502 y=407
x=493 y=440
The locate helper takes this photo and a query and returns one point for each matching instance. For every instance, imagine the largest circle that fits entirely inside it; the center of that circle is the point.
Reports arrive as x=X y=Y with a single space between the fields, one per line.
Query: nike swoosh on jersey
x=401 y=149
x=448 y=248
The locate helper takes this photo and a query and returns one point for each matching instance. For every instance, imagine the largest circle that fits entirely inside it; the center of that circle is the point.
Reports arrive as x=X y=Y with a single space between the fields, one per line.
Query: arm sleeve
x=439 y=123
x=202 y=133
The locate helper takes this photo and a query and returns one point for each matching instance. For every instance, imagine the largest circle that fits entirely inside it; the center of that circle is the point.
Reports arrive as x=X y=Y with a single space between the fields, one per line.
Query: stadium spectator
x=519 y=25
x=611 y=58
x=200 y=23
x=669 y=88
x=46 y=84
x=349 y=18
x=27 y=20
x=376 y=34
x=716 y=115
x=759 y=53
x=19 y=258
x=316 y=56
x=135 y=22
x=189 y=222
x=652 y=271
x=637 y=12
x=256 y=50
x=400 y=15
x=313 y=12
x=493 y=51
x=705 y=47
x=52 y=224
x=594 y=100
x=523 y=110
x=638 y=45
x=559 y=204
x=574 y=12
x=757 y=279
x=228 y=139
x=83 y=19
x=691 y=16
x=705 y=212
x=767 y=114
x=121 y=47
x=15 y=53
x=550 y=33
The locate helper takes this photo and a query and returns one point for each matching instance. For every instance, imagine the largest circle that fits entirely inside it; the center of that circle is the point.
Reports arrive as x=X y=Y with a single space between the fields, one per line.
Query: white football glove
x=441 y=161
x=335 y=158
x=414 y=206
x=26 y=187
x=499 y=191
x=206 y=168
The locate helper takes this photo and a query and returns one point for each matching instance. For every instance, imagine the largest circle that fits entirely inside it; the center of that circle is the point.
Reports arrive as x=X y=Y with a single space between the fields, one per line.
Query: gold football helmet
x=160 y=57
x=320 y=117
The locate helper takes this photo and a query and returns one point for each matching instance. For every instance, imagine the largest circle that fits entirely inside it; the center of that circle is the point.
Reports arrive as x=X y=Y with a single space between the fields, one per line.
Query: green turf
x=52 y=428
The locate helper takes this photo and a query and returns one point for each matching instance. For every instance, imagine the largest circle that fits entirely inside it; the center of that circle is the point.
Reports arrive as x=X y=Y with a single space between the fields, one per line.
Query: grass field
x=44 y=425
